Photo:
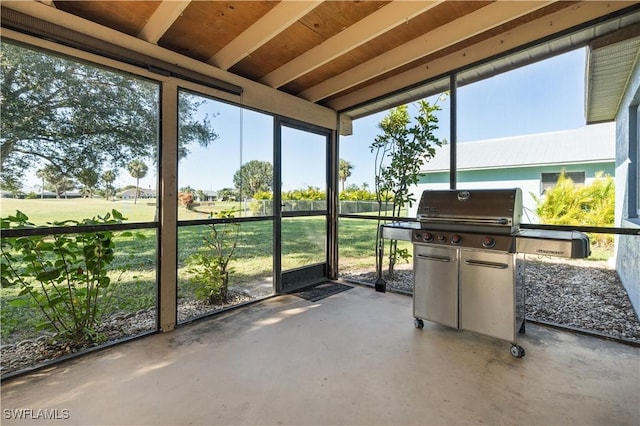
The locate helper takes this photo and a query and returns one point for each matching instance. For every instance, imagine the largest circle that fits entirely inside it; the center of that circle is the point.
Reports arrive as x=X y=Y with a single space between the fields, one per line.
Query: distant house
x=530 y=162
x=130 y=194
x=207 y=196
x=39 y=193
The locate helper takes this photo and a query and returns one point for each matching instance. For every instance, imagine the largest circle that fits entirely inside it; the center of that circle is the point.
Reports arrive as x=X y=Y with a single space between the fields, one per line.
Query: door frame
x=293 y=279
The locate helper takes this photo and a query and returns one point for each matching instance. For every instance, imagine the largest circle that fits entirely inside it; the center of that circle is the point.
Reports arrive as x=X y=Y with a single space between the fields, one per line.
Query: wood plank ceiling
x=340 y=53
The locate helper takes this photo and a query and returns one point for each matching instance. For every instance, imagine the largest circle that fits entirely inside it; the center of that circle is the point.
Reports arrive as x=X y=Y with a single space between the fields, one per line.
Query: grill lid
x=498 y=210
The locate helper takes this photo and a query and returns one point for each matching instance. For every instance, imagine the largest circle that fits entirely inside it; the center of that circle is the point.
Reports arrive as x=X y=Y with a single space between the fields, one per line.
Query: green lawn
x=134 y=289
x=42 y=211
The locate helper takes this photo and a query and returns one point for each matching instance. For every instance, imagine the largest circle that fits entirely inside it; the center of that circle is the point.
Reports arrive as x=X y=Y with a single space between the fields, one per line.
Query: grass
x=303 y=243
x=41 y=211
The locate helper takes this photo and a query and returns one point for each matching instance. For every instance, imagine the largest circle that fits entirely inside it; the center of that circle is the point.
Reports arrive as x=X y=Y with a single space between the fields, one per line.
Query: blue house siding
x=514 y=174
x=627 y=246
x=525 y=178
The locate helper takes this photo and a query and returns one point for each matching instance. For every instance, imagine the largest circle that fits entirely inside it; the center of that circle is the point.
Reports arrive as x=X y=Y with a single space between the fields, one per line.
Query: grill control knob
x=456 y=239
x=442 y=238
x=488 y=242
x=428 y=236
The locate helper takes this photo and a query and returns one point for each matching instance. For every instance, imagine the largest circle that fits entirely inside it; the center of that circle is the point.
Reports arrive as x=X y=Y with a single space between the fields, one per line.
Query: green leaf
x=48 y=275
x=43 y=326
x=5 y=282
x=117 y=215
x=18 y=303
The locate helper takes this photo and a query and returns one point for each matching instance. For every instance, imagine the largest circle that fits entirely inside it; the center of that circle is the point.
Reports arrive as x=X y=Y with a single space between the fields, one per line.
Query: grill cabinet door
x=435 y=289
x=487 y=293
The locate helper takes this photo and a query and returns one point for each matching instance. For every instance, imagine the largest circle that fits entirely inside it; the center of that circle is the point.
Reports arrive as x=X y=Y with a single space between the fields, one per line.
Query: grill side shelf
x=568 y=244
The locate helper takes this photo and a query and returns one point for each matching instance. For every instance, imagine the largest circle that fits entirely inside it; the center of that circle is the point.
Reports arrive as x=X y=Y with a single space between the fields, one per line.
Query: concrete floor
x=352 y=358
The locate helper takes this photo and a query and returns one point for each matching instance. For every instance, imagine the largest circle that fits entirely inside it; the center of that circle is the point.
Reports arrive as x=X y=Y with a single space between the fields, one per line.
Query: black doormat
x=320 y=291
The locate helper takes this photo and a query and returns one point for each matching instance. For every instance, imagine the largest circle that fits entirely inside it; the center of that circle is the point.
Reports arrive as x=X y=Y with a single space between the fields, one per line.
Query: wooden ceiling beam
x=529 y=32
x=254 y=95
x=379 y=22
x=270 y=25
x=162 y=19
x=446 y=35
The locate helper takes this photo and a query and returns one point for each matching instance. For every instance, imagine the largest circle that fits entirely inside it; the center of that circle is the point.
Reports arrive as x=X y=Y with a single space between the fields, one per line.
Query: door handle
x=486 y=264
x=436 y=258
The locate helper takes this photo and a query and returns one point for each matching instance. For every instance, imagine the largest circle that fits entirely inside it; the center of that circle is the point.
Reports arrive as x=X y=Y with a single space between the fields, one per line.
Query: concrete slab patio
x=352 y=358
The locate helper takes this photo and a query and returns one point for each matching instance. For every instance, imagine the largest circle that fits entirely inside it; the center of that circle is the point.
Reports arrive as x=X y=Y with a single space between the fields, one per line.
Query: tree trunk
x=135 y=199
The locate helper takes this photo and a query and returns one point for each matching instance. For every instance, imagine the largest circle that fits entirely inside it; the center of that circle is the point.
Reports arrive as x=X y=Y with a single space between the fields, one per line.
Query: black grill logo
x=464 y=195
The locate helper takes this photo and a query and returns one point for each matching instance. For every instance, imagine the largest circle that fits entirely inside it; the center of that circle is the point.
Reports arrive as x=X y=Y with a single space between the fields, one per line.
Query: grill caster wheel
x=418 y=323
x=517 y=351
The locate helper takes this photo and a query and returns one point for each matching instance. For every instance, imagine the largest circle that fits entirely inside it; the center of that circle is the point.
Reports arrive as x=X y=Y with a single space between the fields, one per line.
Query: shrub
x=590 y=205
x=262 y=204
x=65 y=276
x=210 y=266
x=185 y=199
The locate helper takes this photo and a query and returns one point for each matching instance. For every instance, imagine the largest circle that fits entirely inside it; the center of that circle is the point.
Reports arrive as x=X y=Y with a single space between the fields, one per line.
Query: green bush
x=65 y=276
x=589 y=205
x=357 y=194
x=261 y=205
x=210 y=266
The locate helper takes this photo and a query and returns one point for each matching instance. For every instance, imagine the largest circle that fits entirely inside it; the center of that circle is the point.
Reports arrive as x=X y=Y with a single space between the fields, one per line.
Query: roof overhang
x=612 y=60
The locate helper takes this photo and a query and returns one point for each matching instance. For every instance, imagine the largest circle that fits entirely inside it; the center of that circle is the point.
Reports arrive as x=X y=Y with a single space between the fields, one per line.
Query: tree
x=41 y=174
x=109 y=177
x=227 y=194
x=56 y=179
x=12 y=185
x=187 y=189
x=138 y=170
x=344 y=171
x=88 y=178
x=400 y=152
x=252 y=177
x=60 y=112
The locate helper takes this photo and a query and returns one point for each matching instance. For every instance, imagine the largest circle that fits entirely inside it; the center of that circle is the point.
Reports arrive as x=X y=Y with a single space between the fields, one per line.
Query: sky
x=542 y=97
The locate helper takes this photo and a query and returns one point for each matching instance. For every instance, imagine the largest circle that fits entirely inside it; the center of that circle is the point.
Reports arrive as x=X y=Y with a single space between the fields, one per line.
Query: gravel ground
x=32 y=352
x=585 y=295
x=581 y=294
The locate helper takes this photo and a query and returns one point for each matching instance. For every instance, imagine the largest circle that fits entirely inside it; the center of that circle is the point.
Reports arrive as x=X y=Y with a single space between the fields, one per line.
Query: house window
x=549 y=180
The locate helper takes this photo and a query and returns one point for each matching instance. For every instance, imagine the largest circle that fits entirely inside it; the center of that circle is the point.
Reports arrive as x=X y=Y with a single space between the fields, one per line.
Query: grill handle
x=486 y=264
x=470 y=220
x=436 y=258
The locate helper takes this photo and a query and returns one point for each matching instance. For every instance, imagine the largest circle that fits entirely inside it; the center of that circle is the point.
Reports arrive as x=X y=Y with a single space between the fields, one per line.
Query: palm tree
x=42 y=173
x=344 y=171
x=109 y=177
x=137 y=169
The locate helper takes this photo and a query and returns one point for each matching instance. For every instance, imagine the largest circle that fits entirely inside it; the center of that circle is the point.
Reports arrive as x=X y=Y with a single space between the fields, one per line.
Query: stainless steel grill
x=469 y=260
